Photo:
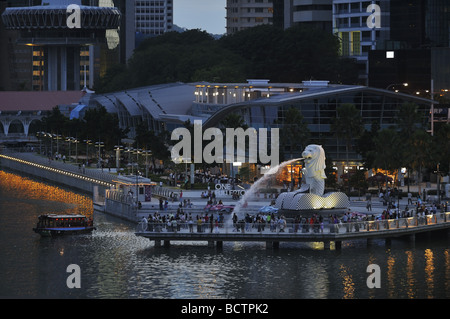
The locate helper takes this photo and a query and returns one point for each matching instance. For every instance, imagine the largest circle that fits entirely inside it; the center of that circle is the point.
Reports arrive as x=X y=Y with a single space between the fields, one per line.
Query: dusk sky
x=208 y=15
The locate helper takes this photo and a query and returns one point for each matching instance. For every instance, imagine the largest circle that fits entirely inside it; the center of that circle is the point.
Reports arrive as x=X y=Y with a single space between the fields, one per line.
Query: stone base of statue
x=305 y=203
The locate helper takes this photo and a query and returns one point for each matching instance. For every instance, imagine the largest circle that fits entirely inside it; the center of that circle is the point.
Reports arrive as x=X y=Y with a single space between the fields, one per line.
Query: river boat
x=50 y=225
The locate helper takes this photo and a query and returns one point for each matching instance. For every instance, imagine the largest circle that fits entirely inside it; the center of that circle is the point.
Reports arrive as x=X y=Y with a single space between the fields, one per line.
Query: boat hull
x=54 y=232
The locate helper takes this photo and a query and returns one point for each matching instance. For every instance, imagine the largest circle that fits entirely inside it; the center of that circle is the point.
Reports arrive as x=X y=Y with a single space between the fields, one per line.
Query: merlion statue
x=314 y=171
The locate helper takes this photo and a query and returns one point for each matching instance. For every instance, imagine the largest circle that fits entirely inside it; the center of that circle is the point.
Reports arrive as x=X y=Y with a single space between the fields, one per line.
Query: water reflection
x=26 y=189
x=410 y=278
x=429 y=272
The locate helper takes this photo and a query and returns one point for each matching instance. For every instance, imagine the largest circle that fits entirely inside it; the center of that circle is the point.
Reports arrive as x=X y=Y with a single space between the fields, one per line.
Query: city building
x=244 y=14
x=418 y=49
x=153 y=17
x=425 y=70
x=399 y=37
x=62 y=41
x=21 y=112
x=358 y=36
x=315 y=14
x=16 y=60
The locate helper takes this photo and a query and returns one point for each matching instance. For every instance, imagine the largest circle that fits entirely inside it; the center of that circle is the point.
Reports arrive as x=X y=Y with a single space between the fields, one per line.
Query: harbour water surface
x=114 y=263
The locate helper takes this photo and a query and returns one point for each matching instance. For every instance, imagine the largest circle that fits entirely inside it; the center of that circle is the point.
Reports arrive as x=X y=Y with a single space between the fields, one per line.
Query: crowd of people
x=201 y=222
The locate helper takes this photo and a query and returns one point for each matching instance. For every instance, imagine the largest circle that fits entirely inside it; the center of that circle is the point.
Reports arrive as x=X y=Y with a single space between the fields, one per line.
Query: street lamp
x=146 y=153
x=118 y=148
x=99 y=145
x=69 y=140
x=438 y=173
x=57 y=137
x=129 y=150
x=88 y=142
x=76 y=141
x=394 y=84
x=40 y=135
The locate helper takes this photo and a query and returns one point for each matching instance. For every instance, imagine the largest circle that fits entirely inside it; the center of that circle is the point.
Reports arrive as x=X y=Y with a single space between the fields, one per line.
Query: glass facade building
x=318 y=107
x=420 y=23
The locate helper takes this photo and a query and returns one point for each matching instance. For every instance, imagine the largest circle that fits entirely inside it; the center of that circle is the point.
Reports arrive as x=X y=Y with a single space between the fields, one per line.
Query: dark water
x=114 y=263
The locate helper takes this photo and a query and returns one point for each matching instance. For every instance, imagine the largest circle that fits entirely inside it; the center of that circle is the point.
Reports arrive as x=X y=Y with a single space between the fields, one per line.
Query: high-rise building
x=418 y=49
x=244 y=14
x=419 y=24
x=62 y=40
x=154 y=17
x=15 y=60
x=316 y=14
x=354 y=26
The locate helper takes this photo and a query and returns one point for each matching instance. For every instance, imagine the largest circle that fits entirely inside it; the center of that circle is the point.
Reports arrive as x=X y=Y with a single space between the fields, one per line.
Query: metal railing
x=282 y=227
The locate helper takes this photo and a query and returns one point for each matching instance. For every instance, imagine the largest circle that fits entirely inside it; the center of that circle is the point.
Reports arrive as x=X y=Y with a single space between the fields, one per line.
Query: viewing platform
x=273 y=234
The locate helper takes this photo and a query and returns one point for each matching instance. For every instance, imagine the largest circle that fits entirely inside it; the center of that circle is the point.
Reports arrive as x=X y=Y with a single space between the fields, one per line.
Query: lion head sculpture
x=314 y=171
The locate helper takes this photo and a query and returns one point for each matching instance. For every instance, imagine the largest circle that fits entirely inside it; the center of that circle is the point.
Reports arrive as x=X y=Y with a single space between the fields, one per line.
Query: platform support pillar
x=387 y=242
x=157 y=243
x=412 y=239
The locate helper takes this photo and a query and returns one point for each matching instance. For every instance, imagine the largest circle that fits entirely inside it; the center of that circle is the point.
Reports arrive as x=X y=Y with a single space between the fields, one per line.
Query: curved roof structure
x=166 y=101
x=314 y=93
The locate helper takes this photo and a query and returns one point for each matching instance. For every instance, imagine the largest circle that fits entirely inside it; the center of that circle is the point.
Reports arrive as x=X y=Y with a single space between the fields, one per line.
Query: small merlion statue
x=314 y=170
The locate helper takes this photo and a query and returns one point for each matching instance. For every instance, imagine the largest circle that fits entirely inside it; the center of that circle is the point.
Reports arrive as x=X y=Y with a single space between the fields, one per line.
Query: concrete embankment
x=62 y=174
x=89 y=181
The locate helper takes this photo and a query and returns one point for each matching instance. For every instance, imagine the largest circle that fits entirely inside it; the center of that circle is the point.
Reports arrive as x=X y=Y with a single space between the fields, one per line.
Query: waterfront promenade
x=364 y=225
x=279 y=230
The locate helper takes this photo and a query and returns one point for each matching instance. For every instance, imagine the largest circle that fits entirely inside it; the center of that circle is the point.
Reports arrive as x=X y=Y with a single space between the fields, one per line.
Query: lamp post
x=99 y=145
x=88 y=142
x=129 y=150
x=118 y=148
x=69 y=140
x=40 y=135
x=394 y=84
x=146 y=153
x=76 y=141
x=49 y=135
x=438 y=174
x=57 y=137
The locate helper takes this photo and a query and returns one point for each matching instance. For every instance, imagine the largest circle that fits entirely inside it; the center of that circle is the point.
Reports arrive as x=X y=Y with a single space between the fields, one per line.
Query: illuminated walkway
x=70 y=170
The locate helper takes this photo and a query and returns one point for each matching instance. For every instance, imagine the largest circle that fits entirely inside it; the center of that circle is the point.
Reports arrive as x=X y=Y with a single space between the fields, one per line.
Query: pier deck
x=327 y=233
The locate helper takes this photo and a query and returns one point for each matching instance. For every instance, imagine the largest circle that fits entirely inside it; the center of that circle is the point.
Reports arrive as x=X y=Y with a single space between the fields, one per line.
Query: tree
x=441 y=149
x=157 y=144
x=366 y=143
x=347 y=125
x=423 y=148
x=295 y=134
x=101 y=126
x=264 y=51
x=385 y=152
x=55 y=122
